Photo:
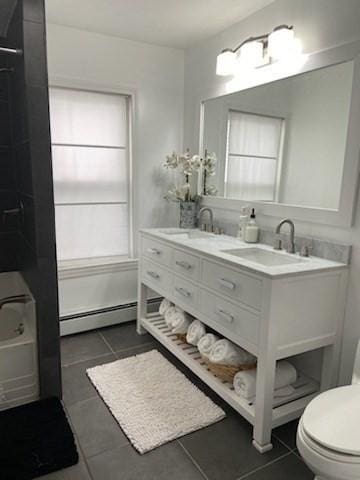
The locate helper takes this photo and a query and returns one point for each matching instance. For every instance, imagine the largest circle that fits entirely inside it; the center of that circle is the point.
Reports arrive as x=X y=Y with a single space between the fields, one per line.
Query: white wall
x=320 y=24
x=156 y=76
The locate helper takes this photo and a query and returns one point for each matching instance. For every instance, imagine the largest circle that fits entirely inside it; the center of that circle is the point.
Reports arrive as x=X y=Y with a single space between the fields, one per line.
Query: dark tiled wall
x=31 y=237
x=8 y=191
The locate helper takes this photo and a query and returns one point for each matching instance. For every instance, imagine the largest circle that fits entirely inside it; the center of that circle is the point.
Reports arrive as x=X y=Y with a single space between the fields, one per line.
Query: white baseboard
x=100 y=319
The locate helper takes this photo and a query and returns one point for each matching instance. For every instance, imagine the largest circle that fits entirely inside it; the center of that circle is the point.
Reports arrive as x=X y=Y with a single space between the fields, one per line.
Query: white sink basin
x=264 y=257
x=181 y=234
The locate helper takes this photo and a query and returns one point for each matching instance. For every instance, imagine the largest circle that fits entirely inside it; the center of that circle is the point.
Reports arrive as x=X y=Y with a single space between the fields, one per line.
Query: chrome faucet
x=291 y=246
x=211 y=218
x=22 y=298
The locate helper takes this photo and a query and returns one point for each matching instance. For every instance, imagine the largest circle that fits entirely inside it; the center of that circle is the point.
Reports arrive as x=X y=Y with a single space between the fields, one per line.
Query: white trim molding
x=77 y=270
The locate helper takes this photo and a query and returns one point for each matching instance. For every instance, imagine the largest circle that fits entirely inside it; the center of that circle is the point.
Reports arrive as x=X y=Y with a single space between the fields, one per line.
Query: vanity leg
x=141 y=307
x=328 y=365
x=265 y=378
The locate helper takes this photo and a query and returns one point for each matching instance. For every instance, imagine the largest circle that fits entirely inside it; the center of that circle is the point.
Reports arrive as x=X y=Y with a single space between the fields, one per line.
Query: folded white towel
x=195 y=331
x=180 y=321
x=245 y=381
x=206 y=343
x=169 y=316
x=225 y=352
x=165 y=305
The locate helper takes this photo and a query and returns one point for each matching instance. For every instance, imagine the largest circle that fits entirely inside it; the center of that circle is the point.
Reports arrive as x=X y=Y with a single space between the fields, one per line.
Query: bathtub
x=18 y=354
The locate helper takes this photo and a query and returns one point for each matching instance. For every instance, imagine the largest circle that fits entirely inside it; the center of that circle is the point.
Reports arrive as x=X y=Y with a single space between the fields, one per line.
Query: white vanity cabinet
x=272 y=313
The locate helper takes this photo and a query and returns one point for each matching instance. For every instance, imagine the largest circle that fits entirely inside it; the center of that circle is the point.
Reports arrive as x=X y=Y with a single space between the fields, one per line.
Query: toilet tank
x=356 y=371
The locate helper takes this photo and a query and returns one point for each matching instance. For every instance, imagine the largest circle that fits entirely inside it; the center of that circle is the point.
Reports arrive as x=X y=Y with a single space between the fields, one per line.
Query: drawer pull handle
x=226 y=315
x=183 y=292
x=154 y=251
x=153 y=274
x=227 y=284
x=183 y=264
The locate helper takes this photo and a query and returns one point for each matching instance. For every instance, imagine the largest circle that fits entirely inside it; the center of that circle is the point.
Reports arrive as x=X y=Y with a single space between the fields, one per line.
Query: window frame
x=130 y=95
x=279 y=158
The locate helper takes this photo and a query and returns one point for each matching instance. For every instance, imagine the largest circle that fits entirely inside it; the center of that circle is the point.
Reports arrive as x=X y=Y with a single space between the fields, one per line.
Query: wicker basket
x=181 y=337
x=227 y=372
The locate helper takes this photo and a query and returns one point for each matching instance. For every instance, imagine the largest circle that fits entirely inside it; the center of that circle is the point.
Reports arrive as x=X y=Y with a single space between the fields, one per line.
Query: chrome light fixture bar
x=11 y=51
x=258 y=51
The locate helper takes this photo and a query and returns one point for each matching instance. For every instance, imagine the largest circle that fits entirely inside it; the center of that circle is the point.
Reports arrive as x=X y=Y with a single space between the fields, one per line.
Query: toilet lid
x=333 y=419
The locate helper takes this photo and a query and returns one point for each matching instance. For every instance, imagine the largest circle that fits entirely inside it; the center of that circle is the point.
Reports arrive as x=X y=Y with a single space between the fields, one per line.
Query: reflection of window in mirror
x=253 y=156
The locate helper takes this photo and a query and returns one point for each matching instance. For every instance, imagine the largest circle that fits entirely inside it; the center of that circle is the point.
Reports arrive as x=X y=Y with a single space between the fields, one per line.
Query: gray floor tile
x=224 y=450
x=77 y=472
x=124 y=336
x=169 y=462
x=129 y=352
x=81 y=347
x=287 y=433
x=76 y=385
x=288 y=467
x=95 y=427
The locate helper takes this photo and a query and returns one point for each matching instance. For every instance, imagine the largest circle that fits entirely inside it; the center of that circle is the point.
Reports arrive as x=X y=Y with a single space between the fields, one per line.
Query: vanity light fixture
x=280 y=44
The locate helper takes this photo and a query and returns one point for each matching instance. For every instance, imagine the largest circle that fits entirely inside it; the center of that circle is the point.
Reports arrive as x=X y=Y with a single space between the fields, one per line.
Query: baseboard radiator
x=104 y=317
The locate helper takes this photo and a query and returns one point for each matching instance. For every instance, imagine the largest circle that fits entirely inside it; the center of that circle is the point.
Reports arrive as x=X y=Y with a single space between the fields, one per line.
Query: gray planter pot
x=188 y=214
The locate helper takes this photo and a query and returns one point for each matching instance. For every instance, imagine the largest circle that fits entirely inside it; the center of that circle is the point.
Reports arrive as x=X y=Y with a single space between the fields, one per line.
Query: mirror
x=283 y=142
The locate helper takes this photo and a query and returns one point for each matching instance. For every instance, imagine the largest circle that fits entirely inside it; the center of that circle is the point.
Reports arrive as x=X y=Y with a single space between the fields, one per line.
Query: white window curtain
x=89 y=132
x=253 y=149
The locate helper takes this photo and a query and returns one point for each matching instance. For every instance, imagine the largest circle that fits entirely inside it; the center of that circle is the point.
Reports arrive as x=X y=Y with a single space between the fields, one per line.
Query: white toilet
x=328 y=436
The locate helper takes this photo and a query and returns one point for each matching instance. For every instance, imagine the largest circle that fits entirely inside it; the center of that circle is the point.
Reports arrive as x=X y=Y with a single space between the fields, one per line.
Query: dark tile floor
x=222 y=451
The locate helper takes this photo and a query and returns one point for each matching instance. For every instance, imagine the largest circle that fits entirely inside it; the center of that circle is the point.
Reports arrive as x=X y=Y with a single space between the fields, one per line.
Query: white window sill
x=94 y=266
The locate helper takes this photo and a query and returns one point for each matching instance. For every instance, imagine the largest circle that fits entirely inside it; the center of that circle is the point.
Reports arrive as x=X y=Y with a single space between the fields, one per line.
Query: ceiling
x=172 y=23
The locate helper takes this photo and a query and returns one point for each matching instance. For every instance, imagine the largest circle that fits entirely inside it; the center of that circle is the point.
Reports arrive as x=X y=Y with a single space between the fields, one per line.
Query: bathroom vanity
x=272 y=304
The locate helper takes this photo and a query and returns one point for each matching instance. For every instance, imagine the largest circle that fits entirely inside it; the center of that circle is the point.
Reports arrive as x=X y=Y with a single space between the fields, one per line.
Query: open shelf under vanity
x=284 y=408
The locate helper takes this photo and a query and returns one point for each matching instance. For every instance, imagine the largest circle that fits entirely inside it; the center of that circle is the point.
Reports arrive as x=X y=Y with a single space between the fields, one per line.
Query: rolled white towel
x=245 y=381
x=169 y=315
x=195 y=331
x=225 y=352
x=165 y=305
x=206 y=343
x=180 y=321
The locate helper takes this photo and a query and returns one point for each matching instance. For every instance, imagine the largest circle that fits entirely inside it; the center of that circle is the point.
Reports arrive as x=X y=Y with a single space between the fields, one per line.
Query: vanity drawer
x=229 y=282
x=156 y=251
x=155 y=275
x=186 y=264
x=233 y=318
x=186 y=292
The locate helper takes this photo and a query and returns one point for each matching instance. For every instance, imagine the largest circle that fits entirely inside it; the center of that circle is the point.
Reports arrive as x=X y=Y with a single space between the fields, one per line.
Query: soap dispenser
x=252 y=229
x=243 y=221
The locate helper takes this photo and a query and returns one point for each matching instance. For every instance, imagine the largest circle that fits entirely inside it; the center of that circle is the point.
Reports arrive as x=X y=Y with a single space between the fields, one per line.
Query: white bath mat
x=153 y=402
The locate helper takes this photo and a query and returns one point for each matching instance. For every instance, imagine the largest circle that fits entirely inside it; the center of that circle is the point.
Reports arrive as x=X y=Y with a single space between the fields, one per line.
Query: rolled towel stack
x=285 y=376
x=180 y=321
x=206 y=343
x=169 y=316
x=164 y=306
x=225 y=352
x=195 y=332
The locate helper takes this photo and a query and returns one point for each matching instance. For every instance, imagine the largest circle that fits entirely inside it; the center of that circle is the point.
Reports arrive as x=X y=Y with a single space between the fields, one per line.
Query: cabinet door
x=186 y=264
x=156 y=251
x=155 y=276
x=186 y=292
x=232 y=317
x=236 y=285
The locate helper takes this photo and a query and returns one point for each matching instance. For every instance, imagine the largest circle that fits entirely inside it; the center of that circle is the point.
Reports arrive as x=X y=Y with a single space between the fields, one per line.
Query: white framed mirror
x=289 y=147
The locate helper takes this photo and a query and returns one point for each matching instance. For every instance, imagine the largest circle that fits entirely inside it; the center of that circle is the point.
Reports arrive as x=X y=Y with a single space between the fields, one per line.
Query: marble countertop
x=217 y=246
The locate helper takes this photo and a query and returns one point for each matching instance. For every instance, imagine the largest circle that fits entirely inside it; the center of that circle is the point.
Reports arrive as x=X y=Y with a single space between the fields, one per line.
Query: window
x=90 y=150
x=253 y=156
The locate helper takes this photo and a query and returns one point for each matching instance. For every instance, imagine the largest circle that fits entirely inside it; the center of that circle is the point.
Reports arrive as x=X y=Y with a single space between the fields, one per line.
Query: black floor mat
x=35 y=439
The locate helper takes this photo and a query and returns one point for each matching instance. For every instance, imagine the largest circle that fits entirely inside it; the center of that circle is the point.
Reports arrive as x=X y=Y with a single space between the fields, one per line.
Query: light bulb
x=226 y=63
x=251 y=54
x=281 y=43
